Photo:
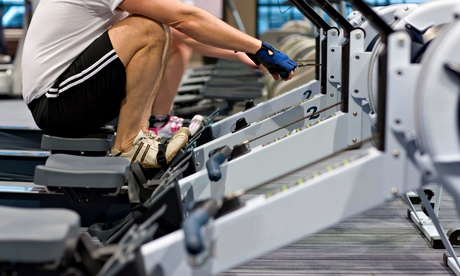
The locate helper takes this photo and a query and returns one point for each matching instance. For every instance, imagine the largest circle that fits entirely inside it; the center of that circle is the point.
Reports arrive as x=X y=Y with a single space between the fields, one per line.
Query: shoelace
x=153 y=136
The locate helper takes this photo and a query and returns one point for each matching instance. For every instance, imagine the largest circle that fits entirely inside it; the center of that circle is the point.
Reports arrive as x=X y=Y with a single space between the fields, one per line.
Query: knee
x=151 y=31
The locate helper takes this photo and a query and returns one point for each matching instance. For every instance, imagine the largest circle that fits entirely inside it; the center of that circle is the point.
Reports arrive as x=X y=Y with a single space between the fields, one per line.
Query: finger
x=291 y=74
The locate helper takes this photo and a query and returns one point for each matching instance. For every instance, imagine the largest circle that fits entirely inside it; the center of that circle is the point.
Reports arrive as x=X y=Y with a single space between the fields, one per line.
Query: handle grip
x=213 y=164
x=283 y=75
x=194 y=243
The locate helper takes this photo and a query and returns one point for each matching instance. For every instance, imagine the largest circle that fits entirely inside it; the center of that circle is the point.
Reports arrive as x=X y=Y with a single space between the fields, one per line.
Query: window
x=13 y=13
x=272 y=14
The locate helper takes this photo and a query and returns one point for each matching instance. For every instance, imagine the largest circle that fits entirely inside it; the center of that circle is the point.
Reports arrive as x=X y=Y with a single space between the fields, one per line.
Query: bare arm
x=195 y=23
x=211 y=51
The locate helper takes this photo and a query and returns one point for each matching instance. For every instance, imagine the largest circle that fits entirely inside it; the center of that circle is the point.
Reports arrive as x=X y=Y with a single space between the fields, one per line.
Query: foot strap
x=161 y=156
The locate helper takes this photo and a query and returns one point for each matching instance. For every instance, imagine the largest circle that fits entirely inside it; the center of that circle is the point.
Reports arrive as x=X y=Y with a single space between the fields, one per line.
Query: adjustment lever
x=192 y=226
x=216 y=158
x=199 y=217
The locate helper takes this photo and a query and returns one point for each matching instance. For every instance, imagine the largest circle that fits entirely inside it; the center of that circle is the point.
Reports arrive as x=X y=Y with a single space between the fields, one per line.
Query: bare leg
x=179 y=58
x=142 y=45
x=178 y=62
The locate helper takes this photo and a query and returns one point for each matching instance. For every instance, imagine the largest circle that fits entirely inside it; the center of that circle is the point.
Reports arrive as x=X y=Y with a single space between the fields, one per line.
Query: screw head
x=400 y=41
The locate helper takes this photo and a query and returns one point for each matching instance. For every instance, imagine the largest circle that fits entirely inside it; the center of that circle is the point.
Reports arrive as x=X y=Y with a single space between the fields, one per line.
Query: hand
x=276 y=76
x=276 y=62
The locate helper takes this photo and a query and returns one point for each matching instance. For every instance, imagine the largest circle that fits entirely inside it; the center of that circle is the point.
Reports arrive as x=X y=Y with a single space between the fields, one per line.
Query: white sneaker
x=145 y=148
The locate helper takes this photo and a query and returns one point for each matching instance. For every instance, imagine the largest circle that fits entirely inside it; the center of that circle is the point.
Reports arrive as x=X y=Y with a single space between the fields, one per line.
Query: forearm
x=195 y=23
x=208 y=29
x=211 y=51
x=211 y=31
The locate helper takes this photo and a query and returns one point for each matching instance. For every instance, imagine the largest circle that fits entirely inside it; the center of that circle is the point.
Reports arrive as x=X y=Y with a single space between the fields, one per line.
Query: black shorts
x=86 y=96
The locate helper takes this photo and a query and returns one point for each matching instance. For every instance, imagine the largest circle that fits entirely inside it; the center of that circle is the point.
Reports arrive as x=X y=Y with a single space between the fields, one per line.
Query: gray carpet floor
x=383 y=241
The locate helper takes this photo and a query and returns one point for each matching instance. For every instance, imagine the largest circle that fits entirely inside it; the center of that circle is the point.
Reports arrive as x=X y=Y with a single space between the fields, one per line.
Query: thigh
x=87 y=95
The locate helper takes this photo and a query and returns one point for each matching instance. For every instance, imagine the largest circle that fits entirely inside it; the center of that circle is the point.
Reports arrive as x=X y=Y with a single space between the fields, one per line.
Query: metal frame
x=424 y=222
x=378 y=175
x=438 y=134
x=358 y=68
x=281 y=121
x=433 y=12
x=329 y=133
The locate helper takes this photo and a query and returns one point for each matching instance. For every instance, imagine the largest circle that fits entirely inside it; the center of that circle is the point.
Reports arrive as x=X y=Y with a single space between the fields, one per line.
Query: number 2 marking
x=313 y=109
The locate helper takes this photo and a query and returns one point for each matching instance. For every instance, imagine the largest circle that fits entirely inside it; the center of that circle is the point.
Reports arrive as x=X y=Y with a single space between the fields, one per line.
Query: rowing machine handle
x=215 y=160
x=283 y=75
x=192 y=226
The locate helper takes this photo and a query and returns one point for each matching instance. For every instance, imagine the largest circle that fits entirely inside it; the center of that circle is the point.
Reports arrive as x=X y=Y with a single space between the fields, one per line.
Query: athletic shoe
x=168 y=129
x=145 y=148
x=176 y=143
x=195 y=124
x=175 y=123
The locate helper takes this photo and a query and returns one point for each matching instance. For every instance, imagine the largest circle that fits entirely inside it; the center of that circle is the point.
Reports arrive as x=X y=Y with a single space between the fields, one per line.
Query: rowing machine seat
x=63 y=170
x=37 y=235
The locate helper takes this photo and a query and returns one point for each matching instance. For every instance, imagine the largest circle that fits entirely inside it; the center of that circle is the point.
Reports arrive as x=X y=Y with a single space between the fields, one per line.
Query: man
x=86 y=62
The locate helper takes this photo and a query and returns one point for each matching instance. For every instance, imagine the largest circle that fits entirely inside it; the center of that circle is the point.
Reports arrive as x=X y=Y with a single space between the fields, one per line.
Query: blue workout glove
x=275 y=61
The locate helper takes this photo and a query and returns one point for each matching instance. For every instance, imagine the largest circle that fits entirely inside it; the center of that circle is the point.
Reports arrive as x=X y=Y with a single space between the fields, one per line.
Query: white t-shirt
x=190 y=2
x=58 y=33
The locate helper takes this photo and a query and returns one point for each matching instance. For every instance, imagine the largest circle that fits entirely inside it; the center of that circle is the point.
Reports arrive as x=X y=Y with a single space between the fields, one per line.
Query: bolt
x=332 y=94
x=394 y=190
x=395 y=153
x=197 y=164
x=401 y=40
x=358 y=35
x=333 y=33
x=354 y=140
x=355 y=113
